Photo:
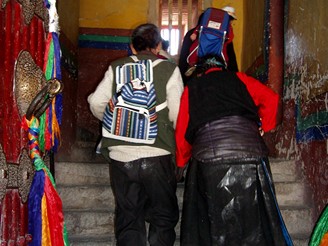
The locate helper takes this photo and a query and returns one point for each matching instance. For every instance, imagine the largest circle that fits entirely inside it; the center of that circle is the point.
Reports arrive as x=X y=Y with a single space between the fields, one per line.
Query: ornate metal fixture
x=31 y=7
x=16 y=175
x=29 y=80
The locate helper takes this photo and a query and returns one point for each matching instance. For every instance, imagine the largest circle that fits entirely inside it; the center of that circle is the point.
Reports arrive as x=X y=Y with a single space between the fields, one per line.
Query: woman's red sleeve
x=183 y=148
x=265 y=99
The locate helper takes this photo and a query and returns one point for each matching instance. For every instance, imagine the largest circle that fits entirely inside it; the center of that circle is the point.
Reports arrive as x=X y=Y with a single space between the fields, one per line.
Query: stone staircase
x=84 y=187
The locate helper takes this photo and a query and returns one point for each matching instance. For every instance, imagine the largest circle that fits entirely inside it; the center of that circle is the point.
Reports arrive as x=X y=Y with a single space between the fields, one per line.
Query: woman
x=143 y=176
x=229 y=198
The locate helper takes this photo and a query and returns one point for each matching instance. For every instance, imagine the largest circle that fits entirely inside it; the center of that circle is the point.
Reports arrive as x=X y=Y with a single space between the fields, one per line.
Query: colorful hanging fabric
x=49 y=122
x=45 y=213
x=45 y=216
x=320 y=233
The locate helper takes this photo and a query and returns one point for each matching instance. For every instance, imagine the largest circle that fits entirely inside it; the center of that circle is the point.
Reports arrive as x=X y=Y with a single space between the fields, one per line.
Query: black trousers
x=145 y=190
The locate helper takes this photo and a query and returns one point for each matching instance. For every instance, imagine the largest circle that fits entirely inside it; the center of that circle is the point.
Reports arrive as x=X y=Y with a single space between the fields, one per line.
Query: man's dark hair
x=145 y=36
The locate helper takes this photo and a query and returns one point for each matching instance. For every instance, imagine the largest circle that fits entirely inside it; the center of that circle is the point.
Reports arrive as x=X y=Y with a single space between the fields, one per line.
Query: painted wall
x=304 y=132
x=123 y=14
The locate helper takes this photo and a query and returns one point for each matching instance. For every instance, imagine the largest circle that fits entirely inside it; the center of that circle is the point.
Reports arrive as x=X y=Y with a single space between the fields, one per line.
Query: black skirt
x=229 y=196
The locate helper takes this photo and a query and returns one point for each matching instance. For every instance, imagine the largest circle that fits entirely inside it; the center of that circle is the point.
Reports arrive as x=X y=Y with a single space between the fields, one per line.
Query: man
x=143 y=175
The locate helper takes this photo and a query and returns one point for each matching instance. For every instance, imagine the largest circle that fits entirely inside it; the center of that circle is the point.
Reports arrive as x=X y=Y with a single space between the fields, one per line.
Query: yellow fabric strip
x=46 y=237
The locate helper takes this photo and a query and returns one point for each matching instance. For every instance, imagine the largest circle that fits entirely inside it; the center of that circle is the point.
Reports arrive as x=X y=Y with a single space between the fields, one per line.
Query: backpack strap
x=155 y=63
x=161 y=106
x=164 y=104
x=134 y=58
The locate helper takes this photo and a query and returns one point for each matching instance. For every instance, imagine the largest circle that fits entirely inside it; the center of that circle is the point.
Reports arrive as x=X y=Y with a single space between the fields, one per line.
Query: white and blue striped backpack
x=131 y=114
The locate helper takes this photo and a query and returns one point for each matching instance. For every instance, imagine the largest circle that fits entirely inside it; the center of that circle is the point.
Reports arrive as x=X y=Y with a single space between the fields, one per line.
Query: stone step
x=83 y=179
x=301 y=242
x=93 y=228
x=288 y=195
x=88 y=224
x=110 y=241
x=78 y=173
x=99 y=241
x=298 y=221
x=88 y=201
x=285 y=170
x=294 y=194
x=84 y=197
x=98 y=172
x=84 y=152
x=92 y=241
